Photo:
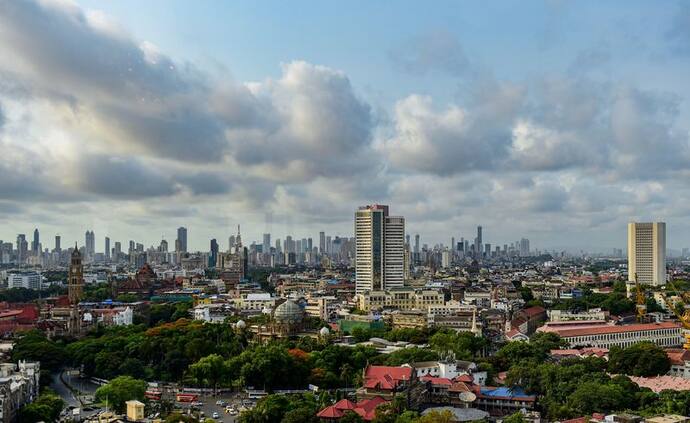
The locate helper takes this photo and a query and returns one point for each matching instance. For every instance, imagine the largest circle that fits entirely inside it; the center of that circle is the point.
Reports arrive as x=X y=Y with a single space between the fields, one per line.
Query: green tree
x=592 y=397
x=434 y=416
x=641 y=359
x=209 y=370
x=516 y=417
x=120 y=390
x=34 y=346
x=47 y=408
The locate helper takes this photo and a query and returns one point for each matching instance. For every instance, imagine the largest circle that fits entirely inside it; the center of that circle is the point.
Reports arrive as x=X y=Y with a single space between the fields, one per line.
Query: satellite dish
x=467 y=396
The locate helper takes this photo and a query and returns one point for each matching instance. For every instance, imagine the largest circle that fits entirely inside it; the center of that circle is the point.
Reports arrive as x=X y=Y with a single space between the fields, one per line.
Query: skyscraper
x=478 y=241
x=647 y=252
x=90 y=244
x=57 y=243
x=181 y=243
x=380 y=249
x=267 y=243
x=416 y=243
x=22 y=248
x=107 y=248
x=322 y=242
x=214 y=253
x=524 y=247
x=35 y=243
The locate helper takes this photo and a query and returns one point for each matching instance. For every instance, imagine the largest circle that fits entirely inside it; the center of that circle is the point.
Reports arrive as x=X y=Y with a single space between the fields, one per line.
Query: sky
x=552 y=120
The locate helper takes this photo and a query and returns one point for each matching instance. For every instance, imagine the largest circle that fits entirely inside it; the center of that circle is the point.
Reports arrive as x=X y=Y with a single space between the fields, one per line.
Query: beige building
x=647 y=252
x=400 y=299
x=135 y=410
x=379 y=249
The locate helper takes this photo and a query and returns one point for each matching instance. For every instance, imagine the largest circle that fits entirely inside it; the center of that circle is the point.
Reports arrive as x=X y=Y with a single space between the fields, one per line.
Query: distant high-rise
x=267 y=243
x=478 y=241
x=380 y=249
x=182 y=239
x=322 y=242
x=647 y=252
x=22 y=248
x=214 y=253
x=35 y=243
x=57 y=243
x=524 y=247
x=90 y=244
x=416 y=243
x=107 y=248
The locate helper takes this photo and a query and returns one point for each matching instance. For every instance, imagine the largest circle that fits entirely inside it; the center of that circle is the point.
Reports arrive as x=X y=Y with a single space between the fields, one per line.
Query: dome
x=324 y=331
x=240 y=324
x=288 y=312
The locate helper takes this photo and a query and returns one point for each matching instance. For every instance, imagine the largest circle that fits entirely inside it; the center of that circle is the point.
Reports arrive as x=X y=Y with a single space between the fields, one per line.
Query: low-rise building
x=19 y=385
x=664 y=334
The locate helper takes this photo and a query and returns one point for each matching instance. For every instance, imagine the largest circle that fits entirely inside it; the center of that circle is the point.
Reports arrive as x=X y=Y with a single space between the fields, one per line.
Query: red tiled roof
x=330 y=413
x=615 y=329
x=386 y=377
x=465 y=378
x=659 y=383
x=436 y=380
x=345 y=404
x=533 y=311
x=365 y=409
x=678 y=356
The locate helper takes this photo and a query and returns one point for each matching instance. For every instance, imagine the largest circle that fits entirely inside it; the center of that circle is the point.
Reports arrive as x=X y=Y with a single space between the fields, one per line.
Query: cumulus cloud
x=443 y=142
x=91 y=117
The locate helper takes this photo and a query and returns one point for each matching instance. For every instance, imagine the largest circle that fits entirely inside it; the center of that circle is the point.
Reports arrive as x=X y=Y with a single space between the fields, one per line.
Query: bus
x=186 y=397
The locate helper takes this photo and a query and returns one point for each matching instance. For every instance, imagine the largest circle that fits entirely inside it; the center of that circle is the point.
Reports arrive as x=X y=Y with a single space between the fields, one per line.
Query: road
x=210 y=407
x=84 y=386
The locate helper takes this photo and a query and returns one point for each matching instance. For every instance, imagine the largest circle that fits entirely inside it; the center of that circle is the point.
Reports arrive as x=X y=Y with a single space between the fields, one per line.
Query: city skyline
x=547 y=133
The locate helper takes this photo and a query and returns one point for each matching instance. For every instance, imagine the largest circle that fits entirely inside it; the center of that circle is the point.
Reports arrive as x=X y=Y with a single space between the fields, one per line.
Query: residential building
x=29 y=280
x=380 y=249
x=647 y=252
x=19 y=385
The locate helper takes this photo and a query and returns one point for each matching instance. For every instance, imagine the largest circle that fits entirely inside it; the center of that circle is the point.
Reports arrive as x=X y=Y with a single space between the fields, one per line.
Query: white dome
x=324 y=331
x=288 y=312
x=240 y=324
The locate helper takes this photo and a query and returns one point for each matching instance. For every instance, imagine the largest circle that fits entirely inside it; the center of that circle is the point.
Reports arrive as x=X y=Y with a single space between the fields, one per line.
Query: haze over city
x=558 y=121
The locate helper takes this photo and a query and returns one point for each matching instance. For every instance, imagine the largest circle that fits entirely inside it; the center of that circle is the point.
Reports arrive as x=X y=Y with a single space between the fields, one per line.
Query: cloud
x=438 y=51
x=443 y=142
x=319 y=127
x=678 y=34
x=118 y=177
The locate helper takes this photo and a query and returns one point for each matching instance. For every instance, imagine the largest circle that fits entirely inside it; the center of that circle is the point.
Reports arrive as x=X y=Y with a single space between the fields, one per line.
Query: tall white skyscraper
x=380 y=249
x=647 y=252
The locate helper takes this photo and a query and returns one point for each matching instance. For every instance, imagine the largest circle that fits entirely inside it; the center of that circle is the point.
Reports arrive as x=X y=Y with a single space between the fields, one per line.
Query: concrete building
x=19 y=385
x=29 y=280
x=647 y=252
x=380 y=249
x=602 y=335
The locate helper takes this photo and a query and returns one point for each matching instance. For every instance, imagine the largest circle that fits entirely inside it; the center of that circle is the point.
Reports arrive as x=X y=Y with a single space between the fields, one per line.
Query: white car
x=216 y=415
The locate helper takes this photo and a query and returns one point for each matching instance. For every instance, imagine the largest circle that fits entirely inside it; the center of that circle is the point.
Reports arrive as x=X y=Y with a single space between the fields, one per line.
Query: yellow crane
x=641 y=301
x=683 y=317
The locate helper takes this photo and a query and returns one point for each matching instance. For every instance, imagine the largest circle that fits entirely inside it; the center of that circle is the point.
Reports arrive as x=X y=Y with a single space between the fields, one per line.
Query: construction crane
x=641 y=300
x=683 y=317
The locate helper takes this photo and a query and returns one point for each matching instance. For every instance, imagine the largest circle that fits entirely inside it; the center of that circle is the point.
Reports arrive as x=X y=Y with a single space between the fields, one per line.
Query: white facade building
x=29 y=280
x=647 y=252
x=380 y=249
